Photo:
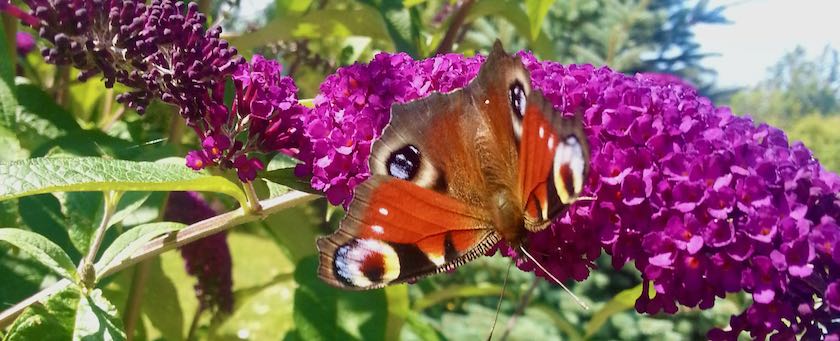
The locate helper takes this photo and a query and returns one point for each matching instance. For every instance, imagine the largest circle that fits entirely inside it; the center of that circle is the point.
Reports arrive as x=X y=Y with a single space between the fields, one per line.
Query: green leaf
x=398 y=310
x=624 y=300
x=42 y=249
x=45 y=175
x=40 y=118
x=82 y=211
x=96 y=319
x=326 y=313
x=42 y=214
x=537 y=11
x=364 y=21
x=132 y=240
x=8 y=103
x=54 y=319
x=456 y=291
x=286 y=177
x=508 y=9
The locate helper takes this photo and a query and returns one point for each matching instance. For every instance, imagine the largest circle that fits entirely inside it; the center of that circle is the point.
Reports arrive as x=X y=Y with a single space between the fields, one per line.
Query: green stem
x=88 y=274
x=194 y=323
x=171 y=241
x=135 y=299
x=520 y=309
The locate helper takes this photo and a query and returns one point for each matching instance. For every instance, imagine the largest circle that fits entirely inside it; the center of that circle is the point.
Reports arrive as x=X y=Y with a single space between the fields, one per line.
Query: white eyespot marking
x=568 y=169
x=377 y=229
x=551 y=142
x=486 y=101
x=366 y=262
x=542 y=132
x=383 y=211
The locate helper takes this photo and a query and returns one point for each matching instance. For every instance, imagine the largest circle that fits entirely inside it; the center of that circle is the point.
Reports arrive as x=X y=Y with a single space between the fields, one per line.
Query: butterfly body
x=452 y=175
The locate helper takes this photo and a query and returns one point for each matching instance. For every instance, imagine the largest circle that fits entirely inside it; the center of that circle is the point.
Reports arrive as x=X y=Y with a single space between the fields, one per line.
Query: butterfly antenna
x=579 y=302
x=499 y=305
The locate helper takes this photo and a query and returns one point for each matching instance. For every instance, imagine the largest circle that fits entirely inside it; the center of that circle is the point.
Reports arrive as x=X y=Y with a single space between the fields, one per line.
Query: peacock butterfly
x=455 y=173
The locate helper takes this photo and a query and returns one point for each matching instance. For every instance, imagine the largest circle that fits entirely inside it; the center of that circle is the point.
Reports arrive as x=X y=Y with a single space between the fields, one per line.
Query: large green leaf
x=45 y=175
x=42 y=214
x=41 y=249
x=132 y=240
x=363 y=21
x=40 y=119
x=69 y=315
x=326 y=313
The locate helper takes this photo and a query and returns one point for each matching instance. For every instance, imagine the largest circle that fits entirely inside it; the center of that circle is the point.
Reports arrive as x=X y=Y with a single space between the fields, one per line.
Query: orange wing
x=396 y=231
x=553 y=162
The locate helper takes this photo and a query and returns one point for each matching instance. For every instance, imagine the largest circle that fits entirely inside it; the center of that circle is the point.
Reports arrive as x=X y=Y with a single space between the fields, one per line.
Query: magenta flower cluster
x=265 y=116
x=703 y=202
x=207 y=259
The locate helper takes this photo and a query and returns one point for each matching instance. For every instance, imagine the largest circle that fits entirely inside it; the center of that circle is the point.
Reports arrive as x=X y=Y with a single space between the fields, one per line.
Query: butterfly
x=455 y=173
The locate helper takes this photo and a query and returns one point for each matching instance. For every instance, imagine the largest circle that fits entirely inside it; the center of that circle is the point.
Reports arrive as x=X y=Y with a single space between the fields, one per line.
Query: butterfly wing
x=396 y=231
x=553 y=161
x=423 y=210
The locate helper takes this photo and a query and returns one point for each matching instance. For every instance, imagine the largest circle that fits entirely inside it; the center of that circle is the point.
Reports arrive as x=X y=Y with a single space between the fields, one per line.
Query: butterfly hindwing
x=396 y=231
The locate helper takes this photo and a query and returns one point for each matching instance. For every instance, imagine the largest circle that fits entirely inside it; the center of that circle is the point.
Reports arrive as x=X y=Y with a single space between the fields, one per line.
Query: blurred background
x=774 y=60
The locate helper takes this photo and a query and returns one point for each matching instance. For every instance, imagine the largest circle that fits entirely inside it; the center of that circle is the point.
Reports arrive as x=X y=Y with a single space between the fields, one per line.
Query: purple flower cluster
x=266 y=117
x=703 y=202
x=162 y=51
x=207 y=259
x=354 y=106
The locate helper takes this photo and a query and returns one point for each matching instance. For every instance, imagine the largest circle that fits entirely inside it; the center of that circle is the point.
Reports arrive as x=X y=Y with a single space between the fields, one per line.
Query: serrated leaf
x=537 y=11
x=53 y=319
x=96 y=319
x=42 y=249
x=45 y=175
x=132 y=240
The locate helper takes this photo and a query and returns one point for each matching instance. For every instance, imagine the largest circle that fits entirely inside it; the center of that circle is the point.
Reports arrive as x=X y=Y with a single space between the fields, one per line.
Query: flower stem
x=454 y=26
x=253 y=200
x=135 y=299
x=86 y=269
x=520 y=309
x=171 y=241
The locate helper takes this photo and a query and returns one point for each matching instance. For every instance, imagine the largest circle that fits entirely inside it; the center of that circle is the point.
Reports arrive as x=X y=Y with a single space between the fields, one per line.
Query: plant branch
x=454 y=27
x=171 y=241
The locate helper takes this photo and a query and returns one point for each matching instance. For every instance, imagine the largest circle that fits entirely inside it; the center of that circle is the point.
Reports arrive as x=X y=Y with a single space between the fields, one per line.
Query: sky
x=762 y=31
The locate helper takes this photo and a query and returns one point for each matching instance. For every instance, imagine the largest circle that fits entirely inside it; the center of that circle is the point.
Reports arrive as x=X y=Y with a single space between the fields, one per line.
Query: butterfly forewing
x=396 y=231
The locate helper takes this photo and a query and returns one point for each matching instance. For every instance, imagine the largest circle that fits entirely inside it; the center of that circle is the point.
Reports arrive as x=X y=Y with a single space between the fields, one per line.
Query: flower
x=25 y=43
x=207 y=259
x=703 y=202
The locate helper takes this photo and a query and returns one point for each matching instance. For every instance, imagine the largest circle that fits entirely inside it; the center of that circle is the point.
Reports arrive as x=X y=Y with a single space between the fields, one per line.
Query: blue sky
x=762 y=31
